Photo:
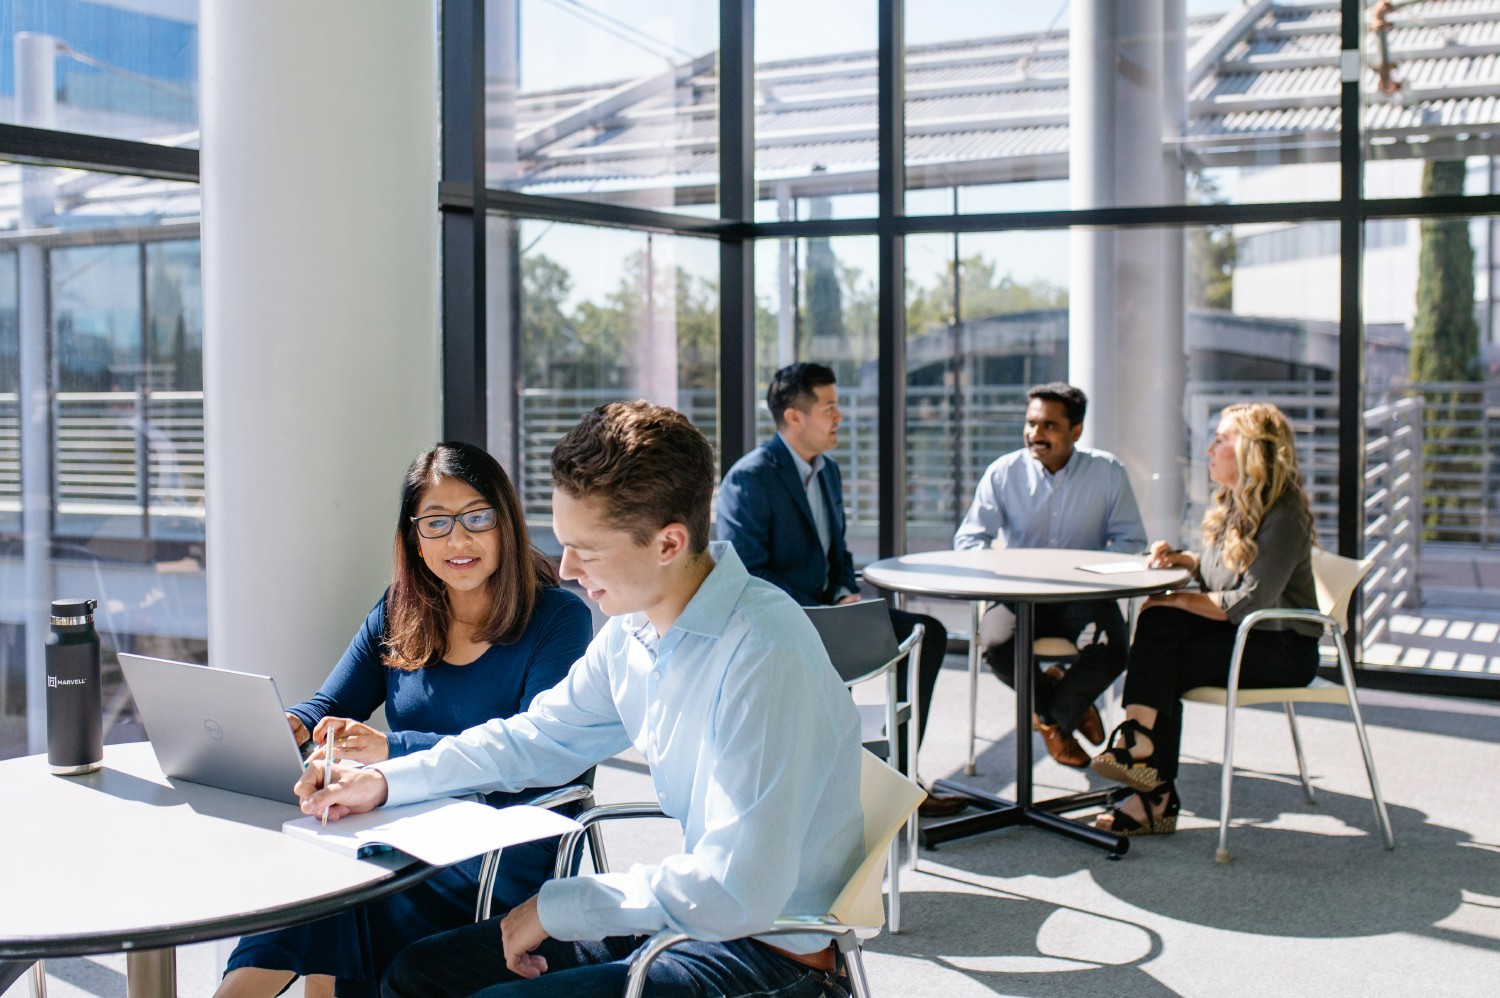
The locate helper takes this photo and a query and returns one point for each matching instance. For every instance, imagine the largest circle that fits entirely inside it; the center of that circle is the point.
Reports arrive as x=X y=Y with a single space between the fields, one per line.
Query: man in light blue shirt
x=1053 y=494
x=721 y=682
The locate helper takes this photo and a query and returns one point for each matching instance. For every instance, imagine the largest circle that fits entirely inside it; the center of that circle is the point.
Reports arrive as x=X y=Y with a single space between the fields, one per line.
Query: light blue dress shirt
x=817 y=501
x=1087 y=505
x=813 y=486
x=753 y=744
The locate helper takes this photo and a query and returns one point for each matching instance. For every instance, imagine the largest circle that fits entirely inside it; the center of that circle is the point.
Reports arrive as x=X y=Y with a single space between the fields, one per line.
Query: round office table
x=1021 y=577
x=126 y=859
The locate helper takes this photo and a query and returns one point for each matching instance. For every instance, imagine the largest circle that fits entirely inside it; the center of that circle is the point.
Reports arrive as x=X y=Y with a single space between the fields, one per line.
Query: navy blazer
x=763 y=512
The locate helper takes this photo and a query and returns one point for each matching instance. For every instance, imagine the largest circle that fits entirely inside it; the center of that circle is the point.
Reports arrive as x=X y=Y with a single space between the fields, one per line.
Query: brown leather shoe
x=1092 y=727
x=942 y=805
x=1061 y=744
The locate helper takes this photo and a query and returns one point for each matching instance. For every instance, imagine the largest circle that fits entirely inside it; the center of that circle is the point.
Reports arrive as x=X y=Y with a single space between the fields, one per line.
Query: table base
x=1047 y=814
x=151 y=973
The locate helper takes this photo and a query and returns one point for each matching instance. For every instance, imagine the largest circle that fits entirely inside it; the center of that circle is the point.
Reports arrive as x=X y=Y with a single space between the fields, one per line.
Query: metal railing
x=1393 y=498
x=132 y=462
x=123 y=463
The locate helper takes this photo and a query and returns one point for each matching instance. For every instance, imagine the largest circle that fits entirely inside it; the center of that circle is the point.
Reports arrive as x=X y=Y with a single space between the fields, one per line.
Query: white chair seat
x=1321 y=691
x=1053 y=648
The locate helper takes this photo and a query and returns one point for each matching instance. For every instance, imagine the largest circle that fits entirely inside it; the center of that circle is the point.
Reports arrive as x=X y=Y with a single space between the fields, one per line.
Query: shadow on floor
x=1300 y=870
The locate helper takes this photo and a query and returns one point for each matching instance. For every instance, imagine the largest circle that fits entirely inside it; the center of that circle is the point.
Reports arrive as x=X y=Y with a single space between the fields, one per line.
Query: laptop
x=216 y=727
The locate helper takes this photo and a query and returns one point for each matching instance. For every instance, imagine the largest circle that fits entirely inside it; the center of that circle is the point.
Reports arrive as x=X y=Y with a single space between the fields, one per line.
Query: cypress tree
x=1444 y=350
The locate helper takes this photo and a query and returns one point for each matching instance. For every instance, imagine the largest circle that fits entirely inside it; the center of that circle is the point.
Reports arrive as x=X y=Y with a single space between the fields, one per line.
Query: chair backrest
x=859 y=637
x=888 y=799
x=1335 y=578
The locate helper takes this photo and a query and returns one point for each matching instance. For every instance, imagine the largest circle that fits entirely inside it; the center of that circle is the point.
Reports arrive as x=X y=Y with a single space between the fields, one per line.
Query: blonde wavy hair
x=1265 y=453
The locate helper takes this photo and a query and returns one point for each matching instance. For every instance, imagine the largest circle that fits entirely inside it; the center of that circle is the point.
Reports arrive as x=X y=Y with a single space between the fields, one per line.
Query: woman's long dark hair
x=417 y=612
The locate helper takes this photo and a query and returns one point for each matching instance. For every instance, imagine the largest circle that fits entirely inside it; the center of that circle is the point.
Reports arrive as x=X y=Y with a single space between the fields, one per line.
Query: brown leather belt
x=822 y=959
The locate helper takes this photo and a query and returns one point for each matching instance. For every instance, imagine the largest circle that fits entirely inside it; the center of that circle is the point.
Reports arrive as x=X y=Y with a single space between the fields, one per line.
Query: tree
x=1212 y=252
x=983 y=292
x=1445 y=349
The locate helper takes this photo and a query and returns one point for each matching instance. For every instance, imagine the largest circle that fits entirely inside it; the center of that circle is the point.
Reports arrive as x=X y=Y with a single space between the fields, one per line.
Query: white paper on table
x=440 y=832
x=1114 y=567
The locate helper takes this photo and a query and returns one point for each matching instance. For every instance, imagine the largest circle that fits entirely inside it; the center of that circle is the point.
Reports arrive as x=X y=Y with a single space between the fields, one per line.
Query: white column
x=321 y=352
x=1126 y=299
x=36 y=99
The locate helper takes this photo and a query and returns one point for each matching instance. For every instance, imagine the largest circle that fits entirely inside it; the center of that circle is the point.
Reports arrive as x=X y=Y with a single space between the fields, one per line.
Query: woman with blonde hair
x=1257 y=554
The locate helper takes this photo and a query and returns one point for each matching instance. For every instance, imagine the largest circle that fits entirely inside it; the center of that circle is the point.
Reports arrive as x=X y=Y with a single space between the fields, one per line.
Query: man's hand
x=851 y=598
x=353 y=790
x=521 y=931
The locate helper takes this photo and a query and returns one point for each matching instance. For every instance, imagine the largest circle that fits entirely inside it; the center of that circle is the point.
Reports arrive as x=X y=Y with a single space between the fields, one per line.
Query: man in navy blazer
x=782 y=507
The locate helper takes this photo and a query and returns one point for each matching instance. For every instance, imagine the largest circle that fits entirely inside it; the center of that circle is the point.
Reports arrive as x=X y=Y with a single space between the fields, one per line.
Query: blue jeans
x=471 y=961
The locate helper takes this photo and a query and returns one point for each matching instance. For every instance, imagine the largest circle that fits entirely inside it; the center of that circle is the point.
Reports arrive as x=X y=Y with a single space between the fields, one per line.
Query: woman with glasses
x=471 y=628
x=1257 y=554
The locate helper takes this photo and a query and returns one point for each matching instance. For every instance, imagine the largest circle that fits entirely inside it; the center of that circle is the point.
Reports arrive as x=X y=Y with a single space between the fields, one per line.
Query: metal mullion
x=1460 y=205
x=101 y=154
x=464 y=386
x=891 y=329
x=1351 y=325
x=556 y=209
x=736 y=253
x=142 y=396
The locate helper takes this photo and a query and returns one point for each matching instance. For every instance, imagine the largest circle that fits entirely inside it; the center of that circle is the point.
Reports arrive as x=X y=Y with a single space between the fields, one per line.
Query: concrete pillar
x=36 y=100
x=321 y=353
x=1125 y=340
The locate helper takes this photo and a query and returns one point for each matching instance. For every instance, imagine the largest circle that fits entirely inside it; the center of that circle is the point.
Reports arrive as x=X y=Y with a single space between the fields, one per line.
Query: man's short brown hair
x=646 y=463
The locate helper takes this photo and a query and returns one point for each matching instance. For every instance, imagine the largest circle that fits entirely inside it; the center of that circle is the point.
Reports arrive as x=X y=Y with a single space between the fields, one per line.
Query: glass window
x=127 y=71
x=816 y=300
x=1013 y=108
x=101 y=492
x=1432 y=467
x=815 y=109
x=603 y=315
x=1023 y=311
x=1427 y=93
x=604 y=101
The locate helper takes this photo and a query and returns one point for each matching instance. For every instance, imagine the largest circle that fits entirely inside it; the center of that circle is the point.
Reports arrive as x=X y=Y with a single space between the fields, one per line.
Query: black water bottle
x=75 y=719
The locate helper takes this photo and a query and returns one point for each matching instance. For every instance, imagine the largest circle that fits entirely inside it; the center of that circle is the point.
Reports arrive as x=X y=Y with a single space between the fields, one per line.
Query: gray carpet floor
x=1310 y=905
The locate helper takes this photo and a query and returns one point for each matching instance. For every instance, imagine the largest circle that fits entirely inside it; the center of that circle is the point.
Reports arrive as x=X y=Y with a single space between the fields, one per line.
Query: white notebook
x=440 y=832
x=1114 y=567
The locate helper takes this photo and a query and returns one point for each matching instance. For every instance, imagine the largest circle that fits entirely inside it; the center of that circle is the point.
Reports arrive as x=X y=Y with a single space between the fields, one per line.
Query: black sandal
x=1116 y=763
x=1164 y=823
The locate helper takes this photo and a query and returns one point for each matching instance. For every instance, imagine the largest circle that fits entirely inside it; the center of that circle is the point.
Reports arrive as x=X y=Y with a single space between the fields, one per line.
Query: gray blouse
x=1279 y=577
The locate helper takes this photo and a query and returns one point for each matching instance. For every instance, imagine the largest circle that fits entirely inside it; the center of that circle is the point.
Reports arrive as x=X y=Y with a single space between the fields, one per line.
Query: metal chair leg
x=976 y=613
x=1382 y=818
x=1291 y=720
x=894 y=863
x=1226 y=782
x=854 y=965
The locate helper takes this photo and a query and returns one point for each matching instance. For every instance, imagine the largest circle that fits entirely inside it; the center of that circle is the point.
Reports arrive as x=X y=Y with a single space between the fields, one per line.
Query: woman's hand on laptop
x=352 y=790
x=352 y=740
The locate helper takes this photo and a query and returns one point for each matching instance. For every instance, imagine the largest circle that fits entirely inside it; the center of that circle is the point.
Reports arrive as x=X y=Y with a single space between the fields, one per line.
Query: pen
x=327 y=767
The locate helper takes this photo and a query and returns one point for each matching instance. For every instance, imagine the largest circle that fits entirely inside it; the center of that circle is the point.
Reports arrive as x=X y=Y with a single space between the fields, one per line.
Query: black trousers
x=1175 y=651
x=1063 y=702
x=934 y=648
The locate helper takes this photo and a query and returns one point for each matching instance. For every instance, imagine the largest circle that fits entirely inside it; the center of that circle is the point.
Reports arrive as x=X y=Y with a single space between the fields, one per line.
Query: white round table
x=1021 y=577
x=126 y=859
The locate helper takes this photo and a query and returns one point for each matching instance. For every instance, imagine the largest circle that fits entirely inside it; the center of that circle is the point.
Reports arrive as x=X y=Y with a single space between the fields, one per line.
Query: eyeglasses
x=475 y=521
